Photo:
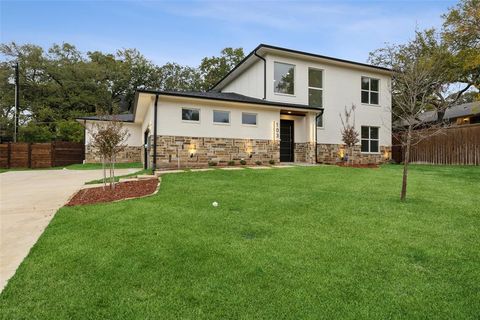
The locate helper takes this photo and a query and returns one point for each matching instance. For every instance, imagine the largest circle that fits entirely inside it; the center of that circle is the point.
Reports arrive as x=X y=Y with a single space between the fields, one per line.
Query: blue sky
x=186 y=31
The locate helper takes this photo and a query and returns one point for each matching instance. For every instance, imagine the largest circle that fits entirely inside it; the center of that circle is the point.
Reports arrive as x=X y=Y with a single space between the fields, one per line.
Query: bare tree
x=108 y=140
x=349 y=134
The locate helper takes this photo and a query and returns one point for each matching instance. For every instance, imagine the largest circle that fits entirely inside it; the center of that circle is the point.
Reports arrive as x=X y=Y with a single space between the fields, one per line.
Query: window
x=249 y=118
x=221 y=116
x=190 y=114
x=320 y=121
x=369 y=139
x=370 y=90
x=284 y=78
x=315 y=88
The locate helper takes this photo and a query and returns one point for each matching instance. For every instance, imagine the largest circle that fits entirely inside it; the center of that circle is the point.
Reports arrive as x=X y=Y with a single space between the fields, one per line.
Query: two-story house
x=277 y=104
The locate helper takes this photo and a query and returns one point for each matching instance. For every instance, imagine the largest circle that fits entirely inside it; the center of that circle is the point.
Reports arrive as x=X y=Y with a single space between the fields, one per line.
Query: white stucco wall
x=341 y=87
x=250 y=82
x=170 y=121
x=135 y=138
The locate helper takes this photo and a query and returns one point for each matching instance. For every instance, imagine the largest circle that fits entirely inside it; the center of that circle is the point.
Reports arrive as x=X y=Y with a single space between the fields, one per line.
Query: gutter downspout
x=264 y=74
x=155 y=133
x=316 y=133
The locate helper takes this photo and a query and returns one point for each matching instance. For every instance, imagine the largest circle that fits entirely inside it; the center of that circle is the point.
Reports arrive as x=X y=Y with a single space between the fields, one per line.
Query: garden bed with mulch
x=357 y=165
x=123 y=190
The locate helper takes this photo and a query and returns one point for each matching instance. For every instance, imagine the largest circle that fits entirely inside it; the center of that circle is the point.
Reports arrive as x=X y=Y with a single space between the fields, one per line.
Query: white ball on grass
x=215 y=203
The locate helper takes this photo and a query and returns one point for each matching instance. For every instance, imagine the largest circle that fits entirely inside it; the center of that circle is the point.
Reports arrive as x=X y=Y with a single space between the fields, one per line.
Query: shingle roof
x=227 y=96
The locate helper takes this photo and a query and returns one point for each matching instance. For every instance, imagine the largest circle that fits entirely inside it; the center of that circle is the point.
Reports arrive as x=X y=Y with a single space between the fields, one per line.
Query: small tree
x=108 y=140
x=421 y=73
x=349 y=134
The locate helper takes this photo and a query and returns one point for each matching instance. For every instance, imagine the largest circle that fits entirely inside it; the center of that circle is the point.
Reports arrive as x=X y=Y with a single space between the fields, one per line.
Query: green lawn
x=117 y=178
x=299 y=243
x=91 y=166
x=80 y=166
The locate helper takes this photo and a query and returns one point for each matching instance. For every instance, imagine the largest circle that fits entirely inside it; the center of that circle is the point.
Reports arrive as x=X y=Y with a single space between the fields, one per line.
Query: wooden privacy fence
x=456 y=145
x=40 y=155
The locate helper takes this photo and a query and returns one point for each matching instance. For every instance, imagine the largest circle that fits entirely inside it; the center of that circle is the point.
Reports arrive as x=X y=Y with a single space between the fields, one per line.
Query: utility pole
x=17 y=102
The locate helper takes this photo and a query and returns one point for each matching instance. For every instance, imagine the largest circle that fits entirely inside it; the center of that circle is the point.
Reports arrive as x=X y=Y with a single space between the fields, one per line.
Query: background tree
x=213 y=69
x=418 y=76
x=349 y=134
x=62 y=83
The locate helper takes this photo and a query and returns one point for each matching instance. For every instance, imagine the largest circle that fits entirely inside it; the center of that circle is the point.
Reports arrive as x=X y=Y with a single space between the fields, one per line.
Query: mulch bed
x=357 y=165
x=123 y=190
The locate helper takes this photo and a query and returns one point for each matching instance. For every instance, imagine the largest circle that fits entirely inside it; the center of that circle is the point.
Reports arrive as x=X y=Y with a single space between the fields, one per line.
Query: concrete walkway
x=28 y=201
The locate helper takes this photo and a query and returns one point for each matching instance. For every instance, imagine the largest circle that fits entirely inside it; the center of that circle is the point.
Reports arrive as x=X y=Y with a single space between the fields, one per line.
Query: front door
x=286 y=141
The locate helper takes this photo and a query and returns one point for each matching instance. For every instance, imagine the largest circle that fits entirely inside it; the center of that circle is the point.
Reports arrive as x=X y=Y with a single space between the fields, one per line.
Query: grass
x=117 y=178
x=298 y=243
x=92 y=166
x=80 y=166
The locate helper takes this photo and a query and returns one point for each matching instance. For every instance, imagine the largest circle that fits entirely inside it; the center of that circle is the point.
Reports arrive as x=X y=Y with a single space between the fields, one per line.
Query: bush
x=243 y=162
x=212 y=163
x=231 y=163
x=258 y=162
x=272 y=162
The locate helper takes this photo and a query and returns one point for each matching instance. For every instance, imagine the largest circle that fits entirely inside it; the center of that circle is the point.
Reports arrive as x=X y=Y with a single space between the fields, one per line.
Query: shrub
x=258 y=162
x=272 y=162
x=243 y=162
x=231 y=163
x=212 y=163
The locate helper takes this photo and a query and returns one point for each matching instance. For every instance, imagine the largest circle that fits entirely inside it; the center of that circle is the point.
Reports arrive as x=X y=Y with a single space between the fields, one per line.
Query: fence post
x=29 y=154
x=52 y=154
x=9 y=154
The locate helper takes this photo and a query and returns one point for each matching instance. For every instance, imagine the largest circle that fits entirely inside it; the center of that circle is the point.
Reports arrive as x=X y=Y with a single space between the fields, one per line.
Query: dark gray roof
x=227 y=96
x=461 y=110
x=453 y=112
x=127 y=117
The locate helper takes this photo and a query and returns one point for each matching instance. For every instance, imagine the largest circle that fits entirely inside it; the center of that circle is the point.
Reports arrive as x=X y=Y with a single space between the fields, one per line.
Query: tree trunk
x=403 y=194
x=113 y=172
x=104 y=173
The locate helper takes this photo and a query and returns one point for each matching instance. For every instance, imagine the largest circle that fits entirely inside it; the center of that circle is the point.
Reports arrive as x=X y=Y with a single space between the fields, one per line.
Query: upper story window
x=315 y=88
x=221 y=116
x=370 y=90
x=369 y=139
x=189 y=114
x=284 y=78
x=249 y=118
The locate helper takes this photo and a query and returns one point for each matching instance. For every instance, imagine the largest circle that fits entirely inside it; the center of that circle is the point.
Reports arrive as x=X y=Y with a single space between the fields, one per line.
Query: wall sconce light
x=386 y=155
x=192 y=151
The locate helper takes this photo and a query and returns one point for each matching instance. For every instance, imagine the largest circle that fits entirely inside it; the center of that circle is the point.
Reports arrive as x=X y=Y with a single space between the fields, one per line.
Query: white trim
x=248 y=124
x=222 y=123
x=294 y=79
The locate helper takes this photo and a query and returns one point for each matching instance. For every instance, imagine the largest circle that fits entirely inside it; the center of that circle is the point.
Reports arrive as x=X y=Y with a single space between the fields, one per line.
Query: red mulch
x=357 y=165
x=123 y=190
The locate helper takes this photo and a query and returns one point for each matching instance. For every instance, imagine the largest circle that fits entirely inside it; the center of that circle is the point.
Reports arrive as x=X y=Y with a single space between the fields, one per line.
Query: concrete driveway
x=28 y=201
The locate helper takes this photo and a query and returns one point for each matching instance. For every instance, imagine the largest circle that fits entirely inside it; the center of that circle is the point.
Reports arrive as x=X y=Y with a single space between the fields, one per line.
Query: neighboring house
x=467 y=113
x=277 y=104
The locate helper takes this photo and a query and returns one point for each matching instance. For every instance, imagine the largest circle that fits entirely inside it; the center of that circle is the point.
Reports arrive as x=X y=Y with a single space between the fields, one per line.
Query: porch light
x=192 y=151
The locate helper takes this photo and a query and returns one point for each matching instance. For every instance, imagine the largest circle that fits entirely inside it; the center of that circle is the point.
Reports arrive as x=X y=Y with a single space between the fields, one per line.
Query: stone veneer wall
x=130 y=154
x=174 y=151
x=330 y=153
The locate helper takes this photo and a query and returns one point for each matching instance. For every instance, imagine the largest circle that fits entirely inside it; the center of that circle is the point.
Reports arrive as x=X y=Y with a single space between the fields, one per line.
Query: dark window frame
x=369 y=91
x=369 y=139
x=189 y=120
